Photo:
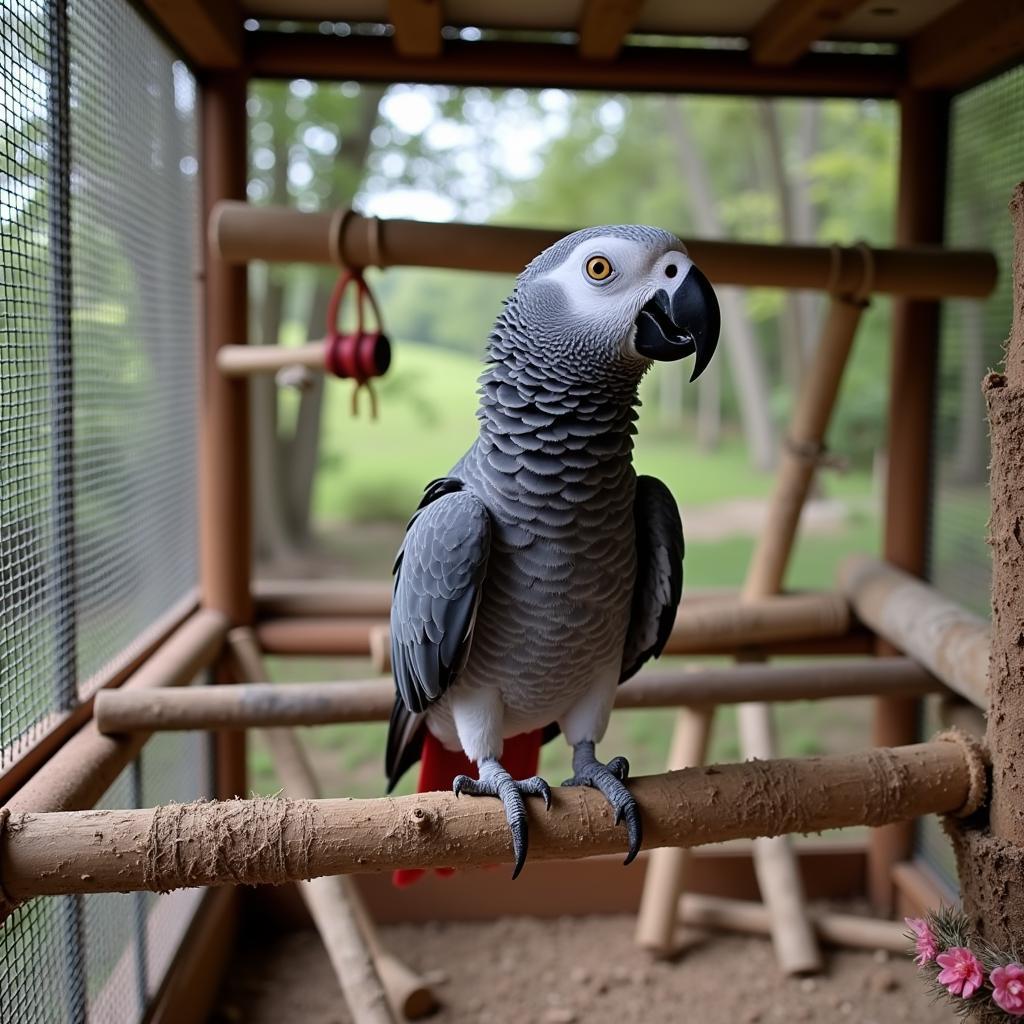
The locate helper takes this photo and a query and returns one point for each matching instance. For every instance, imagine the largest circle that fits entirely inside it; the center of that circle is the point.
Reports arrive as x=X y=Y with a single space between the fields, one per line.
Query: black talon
x=609 y=779
x=495 y=781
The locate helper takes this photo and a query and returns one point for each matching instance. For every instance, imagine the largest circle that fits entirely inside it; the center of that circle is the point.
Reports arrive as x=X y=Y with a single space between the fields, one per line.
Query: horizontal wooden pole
x=947 y=639
x=241 y=232
x=720 y=627
x=848 y=930
x=269 y=841
x=560 y=66
x=249 y=360
x=81 y=771
x=368 y=598
x=264 y=705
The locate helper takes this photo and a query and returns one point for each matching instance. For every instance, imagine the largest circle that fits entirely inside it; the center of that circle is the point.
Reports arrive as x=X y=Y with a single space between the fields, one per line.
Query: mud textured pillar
x=991 y=861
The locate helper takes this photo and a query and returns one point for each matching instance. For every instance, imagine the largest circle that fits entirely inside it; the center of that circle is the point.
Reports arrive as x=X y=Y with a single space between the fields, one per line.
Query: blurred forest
x=733 y=167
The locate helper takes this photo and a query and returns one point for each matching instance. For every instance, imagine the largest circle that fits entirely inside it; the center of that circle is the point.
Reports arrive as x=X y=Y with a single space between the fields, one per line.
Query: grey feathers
x=659 y=574
x=438 y=575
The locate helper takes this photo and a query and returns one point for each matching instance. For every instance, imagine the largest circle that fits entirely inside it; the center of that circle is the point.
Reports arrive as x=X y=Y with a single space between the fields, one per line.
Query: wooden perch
x=252 y=705
x=269 y=841
x=704 y=627
x=699 y=911
x=948 y=640
x=248 y=360
x=240 y=232
x=378 y=988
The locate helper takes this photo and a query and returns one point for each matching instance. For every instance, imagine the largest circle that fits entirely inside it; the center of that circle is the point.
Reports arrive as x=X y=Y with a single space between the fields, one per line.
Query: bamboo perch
x=285 y=598
x=270 y=841
x=706 y=627
x=848 y=930
x=775 y=863
x=240 y=232
x=246 y=360
x=282 y=599
x=253 y=705
x=667 y=866
x=378 y=988
x=945 y=638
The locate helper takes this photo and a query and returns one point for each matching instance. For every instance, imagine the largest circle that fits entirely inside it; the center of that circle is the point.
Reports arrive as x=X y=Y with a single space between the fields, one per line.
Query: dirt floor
x=577 y=970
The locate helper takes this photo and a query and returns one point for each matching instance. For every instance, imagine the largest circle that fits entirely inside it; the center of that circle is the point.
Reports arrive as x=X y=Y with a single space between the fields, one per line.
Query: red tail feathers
x=438 y=768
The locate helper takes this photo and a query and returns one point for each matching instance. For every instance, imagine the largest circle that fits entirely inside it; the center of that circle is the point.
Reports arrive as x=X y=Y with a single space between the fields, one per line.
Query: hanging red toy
x=358 y=355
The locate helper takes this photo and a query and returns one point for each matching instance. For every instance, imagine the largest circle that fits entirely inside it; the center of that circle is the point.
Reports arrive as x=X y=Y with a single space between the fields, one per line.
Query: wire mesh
x=134 y=224
x=36 y=643
x=986 y=161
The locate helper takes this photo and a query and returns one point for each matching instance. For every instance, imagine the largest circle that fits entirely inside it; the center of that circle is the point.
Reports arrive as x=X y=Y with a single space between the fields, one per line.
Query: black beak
x=688 y=321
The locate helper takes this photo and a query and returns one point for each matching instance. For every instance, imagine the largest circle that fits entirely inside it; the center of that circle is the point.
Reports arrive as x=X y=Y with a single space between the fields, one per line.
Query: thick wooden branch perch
x=256 y=705
x=946 y=638
x=269 y=841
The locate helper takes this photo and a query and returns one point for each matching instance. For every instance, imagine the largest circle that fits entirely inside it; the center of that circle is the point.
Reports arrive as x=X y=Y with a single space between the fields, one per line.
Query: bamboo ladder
x=778 y=876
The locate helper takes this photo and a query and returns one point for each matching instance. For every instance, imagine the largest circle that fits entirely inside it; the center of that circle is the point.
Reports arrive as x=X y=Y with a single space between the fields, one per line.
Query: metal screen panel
x=98 y=366
x=35 y=585
x=986 y=161
x=134 y=224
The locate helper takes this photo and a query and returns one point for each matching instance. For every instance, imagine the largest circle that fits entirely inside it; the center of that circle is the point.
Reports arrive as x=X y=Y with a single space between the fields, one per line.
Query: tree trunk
x=991 y=860
x=791 y=326
x=738 y=332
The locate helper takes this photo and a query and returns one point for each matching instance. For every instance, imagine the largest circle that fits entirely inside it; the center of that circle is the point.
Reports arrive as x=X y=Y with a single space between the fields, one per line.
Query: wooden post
x=848 y=930
x=924 y=119
x=224 y=511
x=378 y=987
x=666 y=867
x=991 y=861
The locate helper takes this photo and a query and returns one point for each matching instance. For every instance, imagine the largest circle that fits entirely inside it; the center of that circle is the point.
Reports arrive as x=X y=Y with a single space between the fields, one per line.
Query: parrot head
x=617 y=297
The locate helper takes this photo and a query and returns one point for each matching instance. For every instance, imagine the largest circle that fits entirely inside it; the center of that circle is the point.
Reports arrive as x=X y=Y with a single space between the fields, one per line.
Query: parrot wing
x=659 y=574
x=439 y=574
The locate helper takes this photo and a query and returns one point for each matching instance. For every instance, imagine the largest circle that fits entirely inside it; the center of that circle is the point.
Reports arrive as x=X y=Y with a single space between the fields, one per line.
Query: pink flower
x=961 y=971
x=1008 y=983
x=925 y=944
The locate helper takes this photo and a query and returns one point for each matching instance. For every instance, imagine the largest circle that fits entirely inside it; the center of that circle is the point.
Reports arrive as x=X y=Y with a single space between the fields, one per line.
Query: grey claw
x=460 y=783
x=619 y=767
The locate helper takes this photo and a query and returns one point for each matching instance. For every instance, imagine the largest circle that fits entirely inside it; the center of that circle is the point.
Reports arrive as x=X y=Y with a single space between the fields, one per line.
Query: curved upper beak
x=682 y=322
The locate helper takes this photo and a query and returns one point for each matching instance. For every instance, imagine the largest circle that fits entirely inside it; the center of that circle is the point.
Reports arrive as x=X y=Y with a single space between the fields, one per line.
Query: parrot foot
x=609 y=779
x=495 y=781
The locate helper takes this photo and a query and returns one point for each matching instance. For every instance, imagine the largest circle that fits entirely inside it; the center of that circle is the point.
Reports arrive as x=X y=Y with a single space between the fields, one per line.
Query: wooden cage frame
x=72 y=765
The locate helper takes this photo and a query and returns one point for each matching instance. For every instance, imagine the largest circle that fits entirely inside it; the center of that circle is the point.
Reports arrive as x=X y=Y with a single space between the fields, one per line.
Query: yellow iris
x=599 y=268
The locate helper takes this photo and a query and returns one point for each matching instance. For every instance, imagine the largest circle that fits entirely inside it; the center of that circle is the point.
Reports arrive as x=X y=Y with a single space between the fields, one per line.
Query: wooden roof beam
x=966 y=43
x=417 y=27
x=604 y=25
x=791 y=27
x=209 y=34
x=554 y=65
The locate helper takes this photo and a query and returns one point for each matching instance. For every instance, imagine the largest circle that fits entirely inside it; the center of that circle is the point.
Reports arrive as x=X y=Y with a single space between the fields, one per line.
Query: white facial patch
x=637 y=273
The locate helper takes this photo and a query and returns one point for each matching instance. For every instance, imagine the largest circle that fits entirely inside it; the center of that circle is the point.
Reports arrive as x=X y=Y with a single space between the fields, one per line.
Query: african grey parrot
x=542 y=571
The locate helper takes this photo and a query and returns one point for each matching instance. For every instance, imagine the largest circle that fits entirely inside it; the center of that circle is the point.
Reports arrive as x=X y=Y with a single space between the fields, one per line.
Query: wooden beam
x=966 y=43
x=417 y=27
x=604 y=25
x=790 y=27
x=80 y=772
x=948 y=640
x=240 y=232
x=913 y=372
x=557 y=65
x=266 y=840
x=209 y=34
x=264 y=705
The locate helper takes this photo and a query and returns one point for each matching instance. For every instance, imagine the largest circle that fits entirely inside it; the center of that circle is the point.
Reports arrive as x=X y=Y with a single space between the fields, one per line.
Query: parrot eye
x=599 y=268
